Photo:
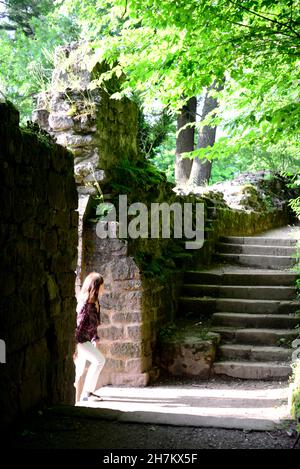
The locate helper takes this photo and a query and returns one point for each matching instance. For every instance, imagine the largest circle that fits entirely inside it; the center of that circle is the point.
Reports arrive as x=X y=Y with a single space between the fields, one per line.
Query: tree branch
x=7 y=27
x=238 y=5
x=125 y=11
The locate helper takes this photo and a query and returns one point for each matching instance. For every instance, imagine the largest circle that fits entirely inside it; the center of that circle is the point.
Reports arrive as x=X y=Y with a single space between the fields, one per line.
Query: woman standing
x=88 y=320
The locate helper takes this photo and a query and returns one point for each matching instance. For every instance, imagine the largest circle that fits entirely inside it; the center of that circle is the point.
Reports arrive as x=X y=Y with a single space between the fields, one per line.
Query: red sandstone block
x=126 y=350
x=127 y=317
x=111 y=332
x=133 y=380
x=134 y=365
x=135 y=332
x=113 y=365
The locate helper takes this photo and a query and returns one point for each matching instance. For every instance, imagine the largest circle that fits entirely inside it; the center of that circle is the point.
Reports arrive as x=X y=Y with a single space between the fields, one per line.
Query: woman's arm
x=82 y=322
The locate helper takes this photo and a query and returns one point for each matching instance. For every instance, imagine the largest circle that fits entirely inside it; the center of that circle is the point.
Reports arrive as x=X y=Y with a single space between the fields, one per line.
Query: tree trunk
x=201 y=168
x=185 y=141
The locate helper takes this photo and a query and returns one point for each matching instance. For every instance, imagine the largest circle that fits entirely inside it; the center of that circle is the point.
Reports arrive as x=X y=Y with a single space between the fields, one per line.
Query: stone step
x=252 y=305
x=238 y=291
x=252 y=260
x=208 y=305
x=253 y=370
x=254 y=353
x=225 y=248
x=253 y=277
x=272 y=321
x=253 y=336
x=259 y=240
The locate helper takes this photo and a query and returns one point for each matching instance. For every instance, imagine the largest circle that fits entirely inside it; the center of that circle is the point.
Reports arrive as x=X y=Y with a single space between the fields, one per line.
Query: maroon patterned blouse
x=88 y=320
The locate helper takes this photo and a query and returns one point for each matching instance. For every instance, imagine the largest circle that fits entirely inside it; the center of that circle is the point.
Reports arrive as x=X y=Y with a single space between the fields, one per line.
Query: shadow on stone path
x=103 y=426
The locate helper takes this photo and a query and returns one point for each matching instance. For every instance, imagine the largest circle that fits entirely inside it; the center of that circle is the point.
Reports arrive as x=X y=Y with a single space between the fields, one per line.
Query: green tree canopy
x=170 y=49
x=17 y=14
x=29 y=33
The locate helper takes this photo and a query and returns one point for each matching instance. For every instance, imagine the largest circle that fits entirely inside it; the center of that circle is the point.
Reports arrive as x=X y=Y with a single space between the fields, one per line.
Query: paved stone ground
x=48 y=431
x=102 y=425
x=220 y=402
x=289 y=231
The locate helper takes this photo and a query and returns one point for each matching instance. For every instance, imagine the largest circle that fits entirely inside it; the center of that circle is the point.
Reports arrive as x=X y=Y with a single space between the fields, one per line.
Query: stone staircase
x=266 y=253
x=252 y=306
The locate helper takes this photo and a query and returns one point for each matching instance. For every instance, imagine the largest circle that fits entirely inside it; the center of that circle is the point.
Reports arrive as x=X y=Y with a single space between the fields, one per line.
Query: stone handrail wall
x=133 y=308
x=232 y=222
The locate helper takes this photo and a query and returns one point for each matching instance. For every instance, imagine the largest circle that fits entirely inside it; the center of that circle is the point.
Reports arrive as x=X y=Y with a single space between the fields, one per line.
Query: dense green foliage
x=173 y=49
x=278 y=158
x=26 y=60
x=154 y=130
x=294 y=388
x=295 y=205
x=18 y=14
x=169 y=49
x=295 y=394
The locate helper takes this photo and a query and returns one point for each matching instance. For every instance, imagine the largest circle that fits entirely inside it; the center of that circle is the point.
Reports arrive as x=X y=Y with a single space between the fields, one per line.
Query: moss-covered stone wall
x=98 y=130
x=38 y=238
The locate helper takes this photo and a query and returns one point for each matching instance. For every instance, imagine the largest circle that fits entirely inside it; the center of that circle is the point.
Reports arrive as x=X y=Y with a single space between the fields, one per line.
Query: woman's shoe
x=90 y=395
x=99 y=398
x=85 y=396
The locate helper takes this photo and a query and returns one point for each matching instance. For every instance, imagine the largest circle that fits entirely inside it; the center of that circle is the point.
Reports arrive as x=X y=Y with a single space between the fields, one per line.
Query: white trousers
x=88 y=352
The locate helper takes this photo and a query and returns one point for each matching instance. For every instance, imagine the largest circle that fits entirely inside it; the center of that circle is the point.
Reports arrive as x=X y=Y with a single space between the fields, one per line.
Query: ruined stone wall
x=123 y=330
x=133 y=307
x=98 y=130
x=38 y=238
x=102 y=134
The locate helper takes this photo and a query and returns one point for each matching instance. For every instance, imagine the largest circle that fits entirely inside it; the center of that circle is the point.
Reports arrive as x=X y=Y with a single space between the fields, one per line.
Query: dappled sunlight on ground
x=252 y=400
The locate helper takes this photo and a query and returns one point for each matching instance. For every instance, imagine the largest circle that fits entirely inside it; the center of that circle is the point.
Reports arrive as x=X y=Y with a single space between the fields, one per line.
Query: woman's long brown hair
x=90 y=288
